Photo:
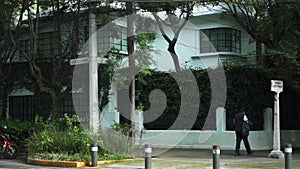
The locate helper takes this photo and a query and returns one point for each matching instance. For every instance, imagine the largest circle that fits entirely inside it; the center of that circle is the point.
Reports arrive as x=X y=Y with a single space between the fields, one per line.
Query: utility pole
x=93 y=70
x=92 y=60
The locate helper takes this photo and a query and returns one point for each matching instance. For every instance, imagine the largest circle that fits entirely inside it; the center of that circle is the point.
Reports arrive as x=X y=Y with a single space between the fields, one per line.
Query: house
x=208 y=40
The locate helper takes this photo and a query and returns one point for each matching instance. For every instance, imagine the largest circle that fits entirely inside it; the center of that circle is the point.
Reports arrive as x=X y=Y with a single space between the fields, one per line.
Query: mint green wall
x=259 y=140
x=188 y=45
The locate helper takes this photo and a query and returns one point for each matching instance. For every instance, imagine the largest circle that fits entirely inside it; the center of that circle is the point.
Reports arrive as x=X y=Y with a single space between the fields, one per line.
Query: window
x=120 y=42
x=22 y=108
x=115 y=40
x=220 y=40
x=25 y=45
x=47 y=44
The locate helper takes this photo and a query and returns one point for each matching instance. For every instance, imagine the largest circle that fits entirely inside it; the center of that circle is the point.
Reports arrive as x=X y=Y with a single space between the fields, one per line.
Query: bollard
x=216 y=157
x=148 y=152
x=94 y=155
x=288 y=155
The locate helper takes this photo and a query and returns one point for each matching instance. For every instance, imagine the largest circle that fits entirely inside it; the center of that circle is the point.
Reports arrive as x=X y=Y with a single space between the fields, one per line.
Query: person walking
x=242 y=128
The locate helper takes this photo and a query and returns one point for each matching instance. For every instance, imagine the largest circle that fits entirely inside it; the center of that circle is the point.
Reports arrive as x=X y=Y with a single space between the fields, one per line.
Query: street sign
x=85 y=60
x=276 y=86
x=79 y=61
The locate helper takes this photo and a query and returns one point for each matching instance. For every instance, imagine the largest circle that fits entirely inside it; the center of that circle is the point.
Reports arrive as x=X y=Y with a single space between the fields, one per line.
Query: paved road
x=19 y=163
x=176 y=159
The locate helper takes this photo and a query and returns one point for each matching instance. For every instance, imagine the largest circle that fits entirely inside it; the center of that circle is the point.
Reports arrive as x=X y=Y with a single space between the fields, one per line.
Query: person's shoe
x=250 y=153
x=237 y=154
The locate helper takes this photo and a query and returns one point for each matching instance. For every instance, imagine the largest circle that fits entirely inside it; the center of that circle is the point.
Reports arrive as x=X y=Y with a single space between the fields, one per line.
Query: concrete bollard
x=216 y=156
x=94 y=149
x=288 y=155
x=148 y=155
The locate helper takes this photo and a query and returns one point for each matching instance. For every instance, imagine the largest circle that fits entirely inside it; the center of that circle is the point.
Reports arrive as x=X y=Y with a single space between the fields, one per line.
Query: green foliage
x=61 y=140
x=247 y=86
x=275 y=24
x=117 y=140
x=158 y=80
x=67 y=140
x=19 y=132
x=161 y=6
x=123 y=128
x=16 y=127
x=115 y=144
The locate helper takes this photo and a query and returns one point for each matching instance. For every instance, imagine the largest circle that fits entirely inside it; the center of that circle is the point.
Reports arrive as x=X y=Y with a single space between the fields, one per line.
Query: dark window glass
x=113 y=40
x=220 y=40
x=25 y=46
x=47 y=45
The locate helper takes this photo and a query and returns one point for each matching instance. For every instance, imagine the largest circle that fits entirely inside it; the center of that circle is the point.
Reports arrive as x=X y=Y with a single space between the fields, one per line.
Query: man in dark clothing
x=239 y=119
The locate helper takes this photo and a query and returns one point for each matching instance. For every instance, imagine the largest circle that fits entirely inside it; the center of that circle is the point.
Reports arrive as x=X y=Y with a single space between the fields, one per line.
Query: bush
x=19 y=132
x=115 y=143
x=59 y=140
x=66 y=140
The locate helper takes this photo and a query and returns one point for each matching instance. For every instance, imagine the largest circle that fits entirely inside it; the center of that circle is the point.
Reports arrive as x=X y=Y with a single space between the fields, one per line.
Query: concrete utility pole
x=93 y=70
x=276 y=86
x=93 y=61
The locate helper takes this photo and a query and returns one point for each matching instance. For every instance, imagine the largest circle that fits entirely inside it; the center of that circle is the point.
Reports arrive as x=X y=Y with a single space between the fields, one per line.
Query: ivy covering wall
x=247 y=87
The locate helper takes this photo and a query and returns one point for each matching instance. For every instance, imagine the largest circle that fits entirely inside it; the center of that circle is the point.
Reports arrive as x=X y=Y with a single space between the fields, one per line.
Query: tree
x=276 y=26
x=8 y=15
x=50 y=70
x=176 y=23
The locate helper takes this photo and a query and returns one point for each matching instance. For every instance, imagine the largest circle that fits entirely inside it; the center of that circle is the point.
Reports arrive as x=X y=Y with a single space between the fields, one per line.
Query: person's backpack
x=245 y=128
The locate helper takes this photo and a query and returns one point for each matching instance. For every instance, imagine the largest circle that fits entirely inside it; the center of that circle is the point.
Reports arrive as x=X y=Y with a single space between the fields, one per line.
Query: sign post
x=276 y=86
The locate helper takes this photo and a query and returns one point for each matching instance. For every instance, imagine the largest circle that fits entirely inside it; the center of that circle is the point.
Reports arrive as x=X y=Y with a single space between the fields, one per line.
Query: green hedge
x=247 y=86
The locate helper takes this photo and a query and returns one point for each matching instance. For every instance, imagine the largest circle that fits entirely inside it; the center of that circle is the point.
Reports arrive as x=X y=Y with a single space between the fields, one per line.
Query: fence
x=259 y=140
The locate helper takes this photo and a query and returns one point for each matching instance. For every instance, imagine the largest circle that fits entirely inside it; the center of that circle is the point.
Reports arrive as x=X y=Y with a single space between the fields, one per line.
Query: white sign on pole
x=276 y=86
x=86 y=60
x=79 y=61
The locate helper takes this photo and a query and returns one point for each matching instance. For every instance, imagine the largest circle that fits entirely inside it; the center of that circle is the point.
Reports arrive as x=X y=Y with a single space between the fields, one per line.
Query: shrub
x=60 y=140
x=67 y=140
x=19 y=132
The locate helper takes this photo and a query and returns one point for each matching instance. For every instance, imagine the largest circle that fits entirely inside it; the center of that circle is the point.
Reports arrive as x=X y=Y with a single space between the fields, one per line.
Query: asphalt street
x=178 y=159
x=20 y=162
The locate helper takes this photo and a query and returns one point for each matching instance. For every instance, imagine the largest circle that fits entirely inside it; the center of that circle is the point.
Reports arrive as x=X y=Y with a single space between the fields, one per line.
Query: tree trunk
x=130 y=49
x=174 y=55
x=258 y=53
x=4 y=102
x=55 y=105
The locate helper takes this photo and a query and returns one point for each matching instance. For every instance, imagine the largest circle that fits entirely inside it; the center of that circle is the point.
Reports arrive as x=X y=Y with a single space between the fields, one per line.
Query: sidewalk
x=203 y=159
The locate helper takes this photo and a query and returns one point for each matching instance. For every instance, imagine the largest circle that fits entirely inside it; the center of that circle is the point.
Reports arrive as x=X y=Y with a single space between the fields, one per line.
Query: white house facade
x=209 y=40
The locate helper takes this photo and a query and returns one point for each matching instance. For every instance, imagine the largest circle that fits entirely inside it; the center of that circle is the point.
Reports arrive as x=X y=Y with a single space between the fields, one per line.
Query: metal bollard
x=94 y=155
x=216 y=157
x=288 y=155
x=148 y=152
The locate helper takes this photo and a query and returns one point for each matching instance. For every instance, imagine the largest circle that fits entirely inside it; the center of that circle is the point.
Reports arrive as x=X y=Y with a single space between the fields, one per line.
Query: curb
x=55 y=163
x=59 y=163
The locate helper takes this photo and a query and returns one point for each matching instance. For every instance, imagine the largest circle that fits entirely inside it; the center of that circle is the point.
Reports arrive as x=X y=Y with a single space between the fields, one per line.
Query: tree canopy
x=275 y=25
